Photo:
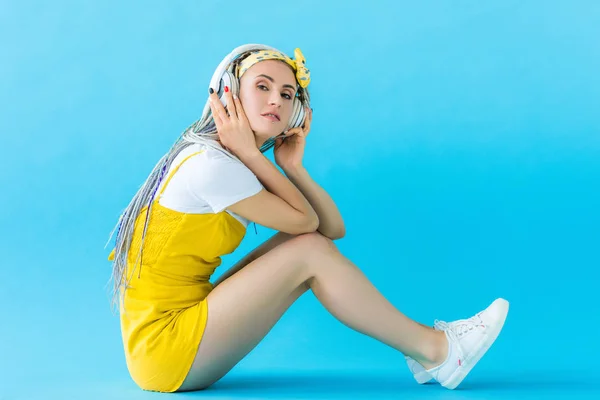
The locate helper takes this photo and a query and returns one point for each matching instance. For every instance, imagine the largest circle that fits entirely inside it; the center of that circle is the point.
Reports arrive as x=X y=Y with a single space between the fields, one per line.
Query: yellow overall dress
x=165 y=310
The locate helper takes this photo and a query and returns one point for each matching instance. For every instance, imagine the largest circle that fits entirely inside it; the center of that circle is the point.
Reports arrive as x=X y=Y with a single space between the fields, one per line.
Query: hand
x=289 y=150
x=232 y=124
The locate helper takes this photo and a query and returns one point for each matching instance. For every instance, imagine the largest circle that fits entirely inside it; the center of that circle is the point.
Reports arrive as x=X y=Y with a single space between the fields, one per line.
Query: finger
x=218 y=107
x=308 y=118
x=215 y=115
x=278 y=142
x=230 y=103
x=241 y=114
x=293 y=131
x=219 y=110
x=280 y=136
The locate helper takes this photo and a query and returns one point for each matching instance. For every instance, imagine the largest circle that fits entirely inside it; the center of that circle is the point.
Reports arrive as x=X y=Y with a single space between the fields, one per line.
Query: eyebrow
x=273 y=80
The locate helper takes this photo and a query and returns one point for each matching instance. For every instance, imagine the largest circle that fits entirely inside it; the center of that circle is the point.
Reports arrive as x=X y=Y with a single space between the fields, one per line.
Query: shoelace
x=455 y=330
x=462 y=326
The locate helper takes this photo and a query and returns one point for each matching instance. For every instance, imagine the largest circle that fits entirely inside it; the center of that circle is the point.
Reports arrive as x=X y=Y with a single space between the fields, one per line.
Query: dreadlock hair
x=202 y=131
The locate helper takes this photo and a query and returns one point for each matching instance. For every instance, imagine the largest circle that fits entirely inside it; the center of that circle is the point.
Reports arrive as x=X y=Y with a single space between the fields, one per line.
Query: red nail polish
x=226 y=89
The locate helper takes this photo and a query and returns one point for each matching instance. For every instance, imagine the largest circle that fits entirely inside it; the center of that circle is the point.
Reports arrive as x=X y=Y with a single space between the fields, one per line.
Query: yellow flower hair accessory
x=297 y=64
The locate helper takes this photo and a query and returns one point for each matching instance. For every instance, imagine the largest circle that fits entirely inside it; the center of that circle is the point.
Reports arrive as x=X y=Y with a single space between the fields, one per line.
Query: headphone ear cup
x=227 y=79
x=297 y=117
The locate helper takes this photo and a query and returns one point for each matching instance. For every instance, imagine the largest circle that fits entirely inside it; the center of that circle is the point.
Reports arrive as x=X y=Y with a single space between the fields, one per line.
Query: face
x=268 y=87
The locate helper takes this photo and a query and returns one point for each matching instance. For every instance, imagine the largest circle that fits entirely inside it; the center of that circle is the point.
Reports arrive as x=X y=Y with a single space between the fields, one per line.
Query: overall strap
x=111 y=256
x=174 y=171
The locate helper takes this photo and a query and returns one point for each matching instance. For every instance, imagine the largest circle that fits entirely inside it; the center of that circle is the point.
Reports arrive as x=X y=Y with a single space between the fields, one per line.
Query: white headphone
x=224 y=76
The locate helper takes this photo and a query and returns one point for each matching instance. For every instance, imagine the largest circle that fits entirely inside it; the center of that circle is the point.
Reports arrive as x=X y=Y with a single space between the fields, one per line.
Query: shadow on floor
x=348 y=385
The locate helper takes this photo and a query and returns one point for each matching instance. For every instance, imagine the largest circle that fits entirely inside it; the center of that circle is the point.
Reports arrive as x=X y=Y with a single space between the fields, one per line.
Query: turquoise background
x=460 y=139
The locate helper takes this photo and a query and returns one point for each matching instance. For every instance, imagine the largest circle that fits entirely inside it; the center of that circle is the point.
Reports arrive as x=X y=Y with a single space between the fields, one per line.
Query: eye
x=287 y=96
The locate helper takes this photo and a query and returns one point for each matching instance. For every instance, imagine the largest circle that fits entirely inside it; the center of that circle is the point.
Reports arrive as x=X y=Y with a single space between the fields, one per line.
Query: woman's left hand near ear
x=289 y=150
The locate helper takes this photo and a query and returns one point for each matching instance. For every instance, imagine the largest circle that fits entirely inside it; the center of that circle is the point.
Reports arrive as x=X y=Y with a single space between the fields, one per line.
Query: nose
x=275 y=98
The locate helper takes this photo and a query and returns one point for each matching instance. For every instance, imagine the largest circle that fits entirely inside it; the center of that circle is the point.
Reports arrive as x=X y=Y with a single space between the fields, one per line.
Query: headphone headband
x=232 y=56
x=224 y=64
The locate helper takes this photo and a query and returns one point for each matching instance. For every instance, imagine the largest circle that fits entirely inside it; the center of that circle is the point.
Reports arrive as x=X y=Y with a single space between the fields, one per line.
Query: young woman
x=180 y=331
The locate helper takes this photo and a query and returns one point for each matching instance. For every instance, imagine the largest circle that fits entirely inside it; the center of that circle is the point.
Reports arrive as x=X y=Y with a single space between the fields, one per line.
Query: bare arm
x=277 y=183
x=331 y=223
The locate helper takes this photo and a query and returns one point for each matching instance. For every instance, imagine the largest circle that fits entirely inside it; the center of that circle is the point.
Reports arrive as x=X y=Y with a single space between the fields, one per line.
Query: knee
x=314 y=241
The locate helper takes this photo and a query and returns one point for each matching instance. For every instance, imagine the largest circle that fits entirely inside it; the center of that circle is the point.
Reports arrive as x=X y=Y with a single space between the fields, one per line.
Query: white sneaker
x=418 y=371
x=468 y=340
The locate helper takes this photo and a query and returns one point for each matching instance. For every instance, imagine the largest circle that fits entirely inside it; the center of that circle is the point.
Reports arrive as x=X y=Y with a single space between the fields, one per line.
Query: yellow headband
x=297 y=64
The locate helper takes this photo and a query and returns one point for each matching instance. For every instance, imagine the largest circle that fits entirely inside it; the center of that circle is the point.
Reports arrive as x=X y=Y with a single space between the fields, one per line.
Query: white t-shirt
x=208 y=182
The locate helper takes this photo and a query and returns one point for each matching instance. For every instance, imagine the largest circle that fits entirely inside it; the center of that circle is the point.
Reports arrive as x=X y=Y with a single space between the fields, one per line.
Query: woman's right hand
x=234 y=129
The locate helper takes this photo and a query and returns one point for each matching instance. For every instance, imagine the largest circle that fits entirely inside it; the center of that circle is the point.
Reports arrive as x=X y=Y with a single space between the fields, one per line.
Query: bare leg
x=244 y=308
x=262 y=249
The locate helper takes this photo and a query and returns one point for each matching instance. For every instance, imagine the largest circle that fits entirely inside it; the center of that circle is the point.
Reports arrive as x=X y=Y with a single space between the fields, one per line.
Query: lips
x=271 y=116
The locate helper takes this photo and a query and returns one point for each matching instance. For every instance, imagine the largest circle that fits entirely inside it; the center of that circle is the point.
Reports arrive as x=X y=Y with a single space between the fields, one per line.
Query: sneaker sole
x=461 y=372
x=422 y=377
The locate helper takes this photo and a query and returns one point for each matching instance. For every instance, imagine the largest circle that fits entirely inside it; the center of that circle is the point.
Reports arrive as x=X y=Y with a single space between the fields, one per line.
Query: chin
x=268 y=130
